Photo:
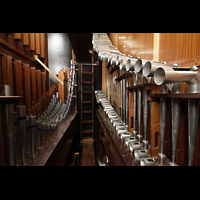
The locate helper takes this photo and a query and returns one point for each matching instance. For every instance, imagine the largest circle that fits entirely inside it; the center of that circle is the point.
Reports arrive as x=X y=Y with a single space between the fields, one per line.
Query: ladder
x=87 y=103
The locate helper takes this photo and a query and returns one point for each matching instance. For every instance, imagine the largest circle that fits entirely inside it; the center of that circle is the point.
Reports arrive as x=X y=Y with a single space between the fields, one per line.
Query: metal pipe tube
x=134 y=101
x=130 y=64
x=167 y=75
x=38 y=137
x=127 y=102
x=151 y=66
x=32 y=125
x=193 y=79
x=147 y=162
x=140 y=154
x=7 y=127
x=121 y=96
x=163 y=112
x=21 y=118
x=192 y=122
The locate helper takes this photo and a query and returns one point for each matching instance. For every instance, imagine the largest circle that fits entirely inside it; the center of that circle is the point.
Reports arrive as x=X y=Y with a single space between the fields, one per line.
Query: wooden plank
x=87 y=156
x=26 y=86
x=37 y=43
x=7 y=74
x=18 y=80
x=32 y=41
x=16 y=36
x=43 y=82
x=39 y=83
x=42 y=45
x=33 y=85
x=25 y=39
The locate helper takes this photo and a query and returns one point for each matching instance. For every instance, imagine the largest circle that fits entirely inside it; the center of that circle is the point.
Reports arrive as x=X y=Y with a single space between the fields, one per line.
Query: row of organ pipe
x=26 y=137
x=151 y=72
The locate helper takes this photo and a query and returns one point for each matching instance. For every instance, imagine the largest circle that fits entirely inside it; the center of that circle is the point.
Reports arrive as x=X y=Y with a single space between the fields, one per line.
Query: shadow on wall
x=59 y=53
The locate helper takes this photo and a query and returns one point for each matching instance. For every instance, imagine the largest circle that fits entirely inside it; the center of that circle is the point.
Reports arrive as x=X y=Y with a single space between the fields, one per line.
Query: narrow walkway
x=87 y=156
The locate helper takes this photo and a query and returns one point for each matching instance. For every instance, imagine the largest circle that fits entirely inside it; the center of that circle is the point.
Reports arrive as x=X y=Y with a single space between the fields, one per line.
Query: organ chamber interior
x=120 y=99
x=153 y=103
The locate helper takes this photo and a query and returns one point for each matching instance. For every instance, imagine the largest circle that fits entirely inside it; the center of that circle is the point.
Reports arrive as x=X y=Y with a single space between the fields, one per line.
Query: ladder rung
x=88 y=131
x=91 y=73
x=87 y=92
x=87 y=111
x=87 y=122
x=87 y=82
x=87 y=102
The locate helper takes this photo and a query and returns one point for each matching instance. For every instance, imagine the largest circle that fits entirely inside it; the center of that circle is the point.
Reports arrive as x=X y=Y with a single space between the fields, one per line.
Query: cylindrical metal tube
x=140 y=154
x=7 y=127
x=43 y=125
x=38 y=137
x=192 y=123
x=127 y=102
x=134 y=146
x=32 y=125
x=130 y=64
x=21 y=118
x=168 y=75
x=134 y=102
x=151 y=66
x=147 y=162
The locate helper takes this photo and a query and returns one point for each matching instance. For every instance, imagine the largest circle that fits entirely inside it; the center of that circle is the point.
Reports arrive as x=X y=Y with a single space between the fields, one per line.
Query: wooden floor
x=87 y=156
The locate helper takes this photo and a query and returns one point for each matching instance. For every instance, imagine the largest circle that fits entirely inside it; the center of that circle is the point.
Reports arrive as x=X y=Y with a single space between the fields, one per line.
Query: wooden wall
x=180 y=48
x=171 y=47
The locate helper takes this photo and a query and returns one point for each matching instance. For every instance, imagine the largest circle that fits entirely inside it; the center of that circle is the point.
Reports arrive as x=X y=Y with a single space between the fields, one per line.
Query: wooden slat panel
x=39 y=83
x=42 y=45
x=16 y=35
x=43 y=82
x=7 y=74
x=26 y=86
x=37 y=43
x=25 y=39
x=33 y=85
x=32 y=41
x=18 y=80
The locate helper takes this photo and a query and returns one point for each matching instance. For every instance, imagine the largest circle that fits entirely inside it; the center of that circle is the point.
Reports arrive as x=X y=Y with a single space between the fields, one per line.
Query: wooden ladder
x=87 y=103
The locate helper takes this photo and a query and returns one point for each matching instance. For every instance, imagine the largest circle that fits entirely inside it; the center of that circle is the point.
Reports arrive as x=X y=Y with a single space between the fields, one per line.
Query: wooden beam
x=36 y=58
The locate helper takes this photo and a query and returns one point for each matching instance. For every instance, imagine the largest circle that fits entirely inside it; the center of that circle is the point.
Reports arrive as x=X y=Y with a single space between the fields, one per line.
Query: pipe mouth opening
x=117 y=60
x=138 y=65
x=146 y=69
x=159 y=76
x=121 y=64
x=128 y=65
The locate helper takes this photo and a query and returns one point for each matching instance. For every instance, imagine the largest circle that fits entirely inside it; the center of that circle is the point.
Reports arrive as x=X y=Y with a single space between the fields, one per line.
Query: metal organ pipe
x=6 y=112
x=192 y=78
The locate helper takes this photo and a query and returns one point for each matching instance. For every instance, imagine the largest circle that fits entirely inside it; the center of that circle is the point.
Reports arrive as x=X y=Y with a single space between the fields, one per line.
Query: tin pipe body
x=7 y=127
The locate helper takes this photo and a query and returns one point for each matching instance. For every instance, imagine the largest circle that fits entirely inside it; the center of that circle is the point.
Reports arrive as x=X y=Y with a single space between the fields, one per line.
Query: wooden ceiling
x=81 y=43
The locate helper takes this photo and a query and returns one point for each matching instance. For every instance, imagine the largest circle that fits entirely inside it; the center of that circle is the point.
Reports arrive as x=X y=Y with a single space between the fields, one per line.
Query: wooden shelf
x=178 y=95
x=114 y=69
x=123 y=76
x=55 y=143
x=148 y=86
x=10 y=99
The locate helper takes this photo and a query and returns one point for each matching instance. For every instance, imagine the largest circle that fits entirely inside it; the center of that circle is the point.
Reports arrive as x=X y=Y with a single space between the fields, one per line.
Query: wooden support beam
x=36 y=58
